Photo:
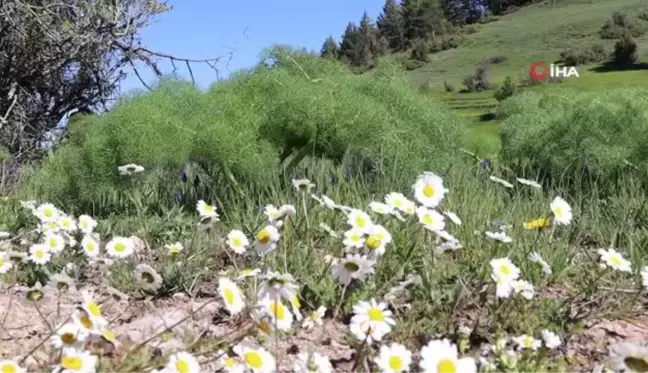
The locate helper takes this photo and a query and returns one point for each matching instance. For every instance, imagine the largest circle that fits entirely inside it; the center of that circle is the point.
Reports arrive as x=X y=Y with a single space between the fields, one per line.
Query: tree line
x=417 y=25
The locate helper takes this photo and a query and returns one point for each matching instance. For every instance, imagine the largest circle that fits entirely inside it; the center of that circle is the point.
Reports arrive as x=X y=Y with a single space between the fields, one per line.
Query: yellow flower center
x=72 y=362
x=120 y=247
x=314 y=316
x=253 y=360
x=295 y=302
x=397 y=203
x=376 y=314
x=68 y=338
x=229 y=296
x=90 y=246
x=2 y=262
x=505 y=270
x=528 y=342
x=277 y=310
x=373 y=242
x=53 y=242
x=263 y=237
x=229 y=362
x=182 y=366
x=48 y=213
x=360 y=221
x=446 y=366
x=39 y=254
x=395 y=363
x=428 y=190
x=236 y=242
x=428 y=220
x=616 y=261
x=8 y=368
x=265 y=326
x=208 y=208
x=94 y=309
x=109 y=335
x=558 y=211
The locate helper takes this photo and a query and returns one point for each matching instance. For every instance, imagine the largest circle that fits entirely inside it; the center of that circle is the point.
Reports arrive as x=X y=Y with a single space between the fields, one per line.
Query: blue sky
x=207 y=28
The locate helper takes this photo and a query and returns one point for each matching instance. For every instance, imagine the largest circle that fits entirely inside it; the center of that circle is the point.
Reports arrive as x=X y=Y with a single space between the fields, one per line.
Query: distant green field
x=538 y=32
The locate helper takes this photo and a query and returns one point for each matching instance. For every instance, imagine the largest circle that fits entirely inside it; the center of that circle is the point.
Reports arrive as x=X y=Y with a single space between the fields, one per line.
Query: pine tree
x=330 y=49
x=391 y=26
x=369 y=46
x=348 y=44
x=423 y=19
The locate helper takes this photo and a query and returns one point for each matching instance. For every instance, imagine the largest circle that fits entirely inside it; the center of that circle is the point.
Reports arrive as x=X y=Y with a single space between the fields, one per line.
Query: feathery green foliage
x=245 y=133
x=571 y=137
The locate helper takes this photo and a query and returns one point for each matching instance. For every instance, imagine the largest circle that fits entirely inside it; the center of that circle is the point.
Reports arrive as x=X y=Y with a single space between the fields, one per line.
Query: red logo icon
x=539 y=71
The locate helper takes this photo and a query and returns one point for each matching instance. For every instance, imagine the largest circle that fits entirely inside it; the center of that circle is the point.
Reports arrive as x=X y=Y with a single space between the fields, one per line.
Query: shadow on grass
x=611 y=67
x=487 y=117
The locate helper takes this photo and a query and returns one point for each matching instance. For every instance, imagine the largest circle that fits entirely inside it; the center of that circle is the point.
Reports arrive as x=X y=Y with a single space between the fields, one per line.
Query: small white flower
x=266 y=239
x=352 y=267
x=396 y=201
x=183 y=362
x=248 y=272
x=326 y=228
x=536 y=258
x=77 y=361
x=430 y=219
x=87 y=224
x=504 y=287
x=237 y=241
x=354 y=238
x=147 y=278
x=615 y=260
x=527 y=342
x=499 y=236
x=5 y=263
x=272 y=213
x=69 y=336
x=561 y=210
x=504 y=269
x=67 y=223
x=90 y=246
x=440 y=356
x=54 y=242
x=280 y=315
x=46 y=213
x=287 y=210
x=377 y=239
x=130 y=169
x=10 y=366
x=394 y=358
x=371 y=321
x=174 y=248
x=315 y=318
x=360 y=220
x=120 y=247
x=429 y=190
x=524 y=288
x=501 y=181
x=205 y=210
x=39 y=254
x=644 y=276
x=255 y=357
x=232 y=295
x=551 y=339
x=303 y=185
x=529 y=183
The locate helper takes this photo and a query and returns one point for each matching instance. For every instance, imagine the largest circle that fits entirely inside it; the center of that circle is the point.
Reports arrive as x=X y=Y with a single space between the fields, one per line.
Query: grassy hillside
x=538 y=32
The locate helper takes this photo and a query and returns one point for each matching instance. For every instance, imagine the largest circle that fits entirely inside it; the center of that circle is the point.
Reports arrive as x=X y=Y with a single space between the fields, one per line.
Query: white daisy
x=255 y=357
x=47 y=212
x=441 y=356
x=394 y=358
x=499 y=236
x=237 y=241
x=120 y=247
x=527 y=342
x=69 y=335
x=230 y=364
x=353 y=266
x=272 y=213
x=287 y=211
x=380 y=208
x=90 y=246
x=354 y=238
x=503 y=268
x=248 y=272
x=396 y=201
x=77 y=361
x=205 y=210
x=611 y=258
x=326 y=228
x=524 y=288
x=183 y=362
x=67 y=223
x=87 y=224
x=371 y=320
x=430 y=219
x=130 y=169
x=315 y=318
x=278 y=286
x=536 y=258
x=232 y=295
x=303 y=185
x=429 y=190
x=10 y=366
x=266 y=239
x=360 y=220
x=377 y=239
x=147 y=278
x=280 y=315
x=174 y=248
x=39 y=254
x=54 y=242
x=561 y=210
x=551 y=339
